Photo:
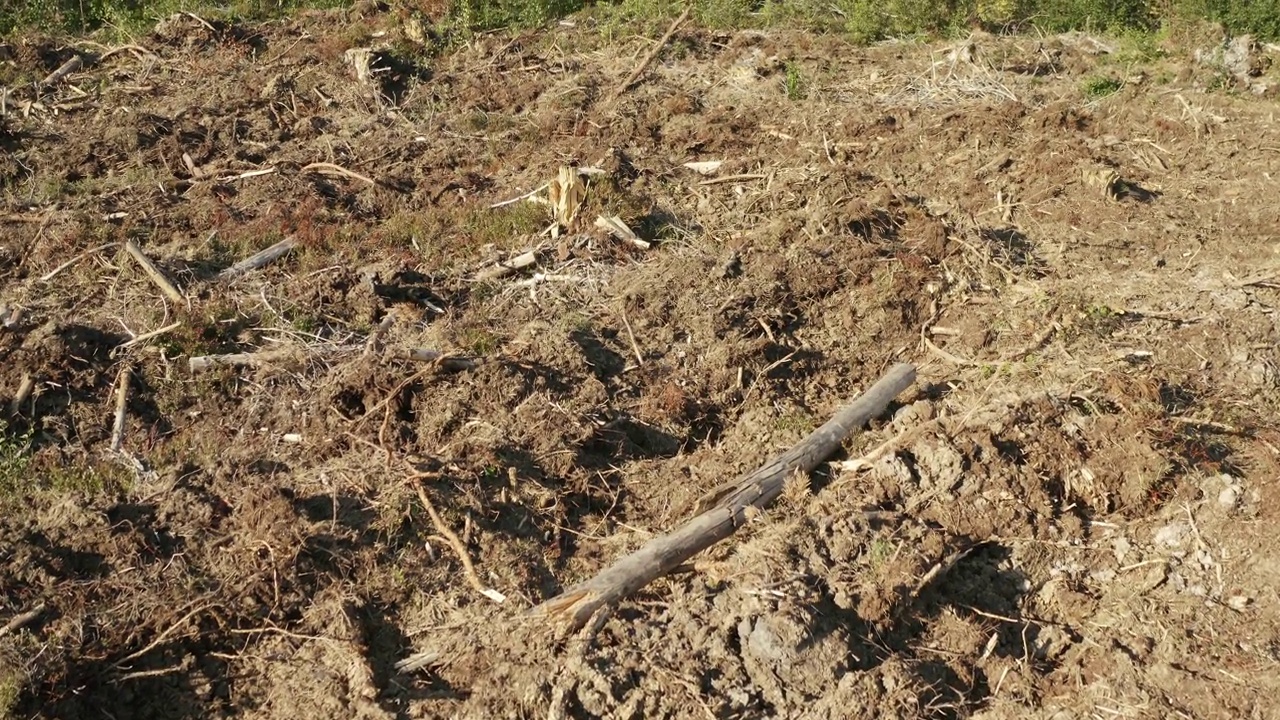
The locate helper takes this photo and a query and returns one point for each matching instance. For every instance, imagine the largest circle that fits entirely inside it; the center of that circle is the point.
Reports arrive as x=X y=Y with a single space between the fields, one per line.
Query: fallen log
x=727 y=508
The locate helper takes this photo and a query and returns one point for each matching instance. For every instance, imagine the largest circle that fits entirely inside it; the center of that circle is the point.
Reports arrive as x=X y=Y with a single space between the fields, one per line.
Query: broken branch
x=507 y=267
x=200 y=363
x=25 y=388
x=157 y=276
x=653 y=53
x=736 y=503
x=122 y=401
x=447 y=362
x=373 y=343
x=456 y=543
x=68 y=67
x=259 y=259
x=324 y=168
x=22 y=619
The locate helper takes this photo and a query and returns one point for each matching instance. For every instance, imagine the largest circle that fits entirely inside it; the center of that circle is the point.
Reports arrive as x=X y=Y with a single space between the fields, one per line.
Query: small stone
x=1171 y=536
x=1239 y=602
x=1121 y=547
x=1229 y=497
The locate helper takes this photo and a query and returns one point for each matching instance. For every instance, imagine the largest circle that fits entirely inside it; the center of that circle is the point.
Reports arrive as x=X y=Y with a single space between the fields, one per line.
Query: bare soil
x=1076 y=520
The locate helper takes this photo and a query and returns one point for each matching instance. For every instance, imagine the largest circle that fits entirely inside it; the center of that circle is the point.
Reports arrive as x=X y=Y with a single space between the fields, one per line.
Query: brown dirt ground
x=1081 y=523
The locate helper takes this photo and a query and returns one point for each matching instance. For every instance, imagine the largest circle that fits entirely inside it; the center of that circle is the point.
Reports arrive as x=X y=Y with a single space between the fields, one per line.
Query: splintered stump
x=729 y=509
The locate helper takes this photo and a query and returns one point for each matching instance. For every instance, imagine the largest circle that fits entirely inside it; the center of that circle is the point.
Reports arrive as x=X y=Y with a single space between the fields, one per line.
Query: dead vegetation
x=323 y=368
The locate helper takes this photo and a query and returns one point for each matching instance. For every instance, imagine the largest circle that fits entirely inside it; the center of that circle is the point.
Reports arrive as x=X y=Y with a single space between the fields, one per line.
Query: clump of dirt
x=1066 y=515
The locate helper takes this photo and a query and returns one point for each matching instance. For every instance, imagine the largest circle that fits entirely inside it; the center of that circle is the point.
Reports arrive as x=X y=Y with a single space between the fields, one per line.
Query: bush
x=1256 y=17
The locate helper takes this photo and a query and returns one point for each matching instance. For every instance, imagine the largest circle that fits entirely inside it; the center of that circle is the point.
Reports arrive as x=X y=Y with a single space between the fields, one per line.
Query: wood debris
x=157 y=276
x=260 y=259
x=617 y=228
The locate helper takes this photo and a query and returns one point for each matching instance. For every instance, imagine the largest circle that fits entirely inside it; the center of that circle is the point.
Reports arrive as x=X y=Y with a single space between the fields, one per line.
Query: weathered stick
x=731 y=509
x=733 y=178
x=506 y=267
x=264 y=358
x=373 y=343
x=456 y=543
x=68 y=67
x=50 y=275
x=199 y=363
x=25 y=388
x=446 y=361
x=122 y=402
x=615 y=227
x=259 y=259
x=324 y=168
x=147 y=336
x=22 y=619
x=156 y=274
x=657 y=48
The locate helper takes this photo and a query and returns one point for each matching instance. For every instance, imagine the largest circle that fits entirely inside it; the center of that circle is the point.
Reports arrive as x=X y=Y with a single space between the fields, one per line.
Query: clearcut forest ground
x=1074 y=238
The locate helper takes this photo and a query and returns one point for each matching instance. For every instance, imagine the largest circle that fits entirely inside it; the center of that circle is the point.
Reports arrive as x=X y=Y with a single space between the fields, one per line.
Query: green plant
x=879 y=552
x=10 y=689
x=794 y=83
x=15 y=459
x=124 y=17
x=505 y=224
x=795 y=422
x=478 y=341
x=1098 y=319
x=1098 y=87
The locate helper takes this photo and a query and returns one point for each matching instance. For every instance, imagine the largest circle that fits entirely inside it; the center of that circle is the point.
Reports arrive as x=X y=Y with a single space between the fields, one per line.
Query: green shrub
x=1100 y=87
x=1257 y=17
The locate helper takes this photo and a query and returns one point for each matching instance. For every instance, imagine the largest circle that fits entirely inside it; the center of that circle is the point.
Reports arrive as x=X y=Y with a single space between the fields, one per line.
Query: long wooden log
x=729 y=509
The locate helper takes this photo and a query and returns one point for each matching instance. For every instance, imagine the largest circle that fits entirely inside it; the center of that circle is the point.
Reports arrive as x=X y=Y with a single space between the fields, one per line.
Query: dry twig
x=147 y=336
x=733 y=178
x=122 y=401
x=324 y=168
x=162 y=636
x=632 y=337
x=653 y=53
x=526 y=196
x=454 y=541
x=25 y=388
x=50 y=275
x=21 y=619
x=199 y=363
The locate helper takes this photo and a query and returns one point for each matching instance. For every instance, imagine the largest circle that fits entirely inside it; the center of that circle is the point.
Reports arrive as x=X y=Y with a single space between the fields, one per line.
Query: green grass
x=1098 y=87
x=10 y=689
x=795 y=84
x=15 y=459
x=862 y=20
x=504 y=225
x=20 y=478
x=132 y=16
